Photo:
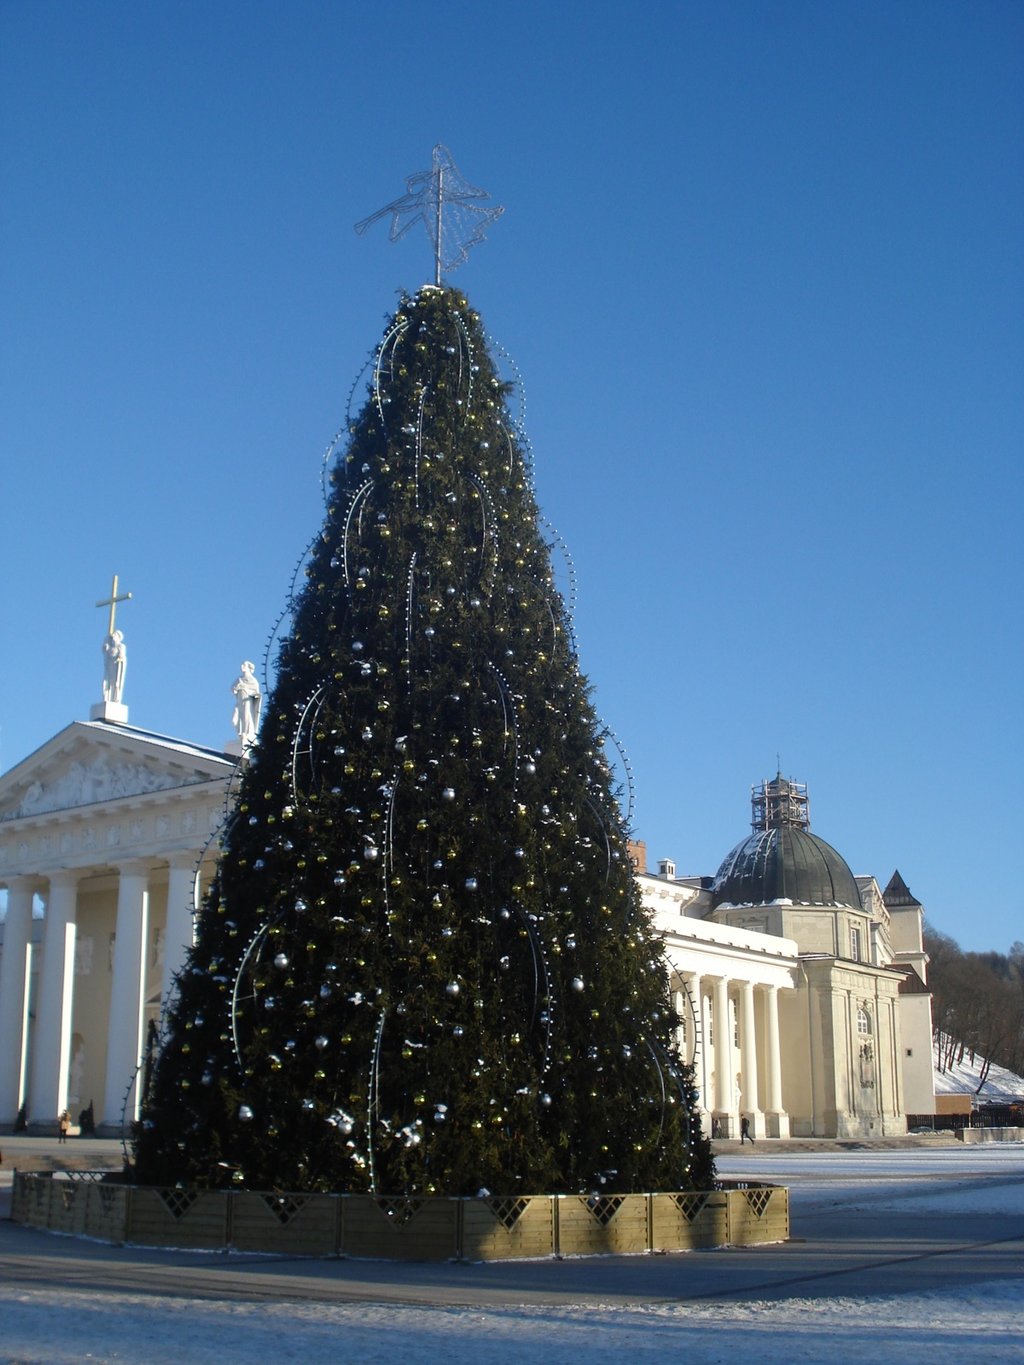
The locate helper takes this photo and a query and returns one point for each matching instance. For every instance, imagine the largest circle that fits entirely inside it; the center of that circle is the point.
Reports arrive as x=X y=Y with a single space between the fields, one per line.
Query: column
x=683 y=1029
x=14 y=979
x=704 y=1064
x=748 y=1059
x=817 y=1002
x=179 y=935
x=51 y=1044
x=698 y=1052
x=779 y=1118
x=693 y=987
x=723 y=1056
x=124 y=1032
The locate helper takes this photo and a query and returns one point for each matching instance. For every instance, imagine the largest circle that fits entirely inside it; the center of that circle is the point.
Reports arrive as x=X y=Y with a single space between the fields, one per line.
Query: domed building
x=782 y=862
x=802 y=987
x=784 y=880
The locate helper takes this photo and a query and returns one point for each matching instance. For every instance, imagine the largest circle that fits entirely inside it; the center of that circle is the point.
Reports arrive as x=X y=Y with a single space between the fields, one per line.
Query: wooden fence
x=400 y=1228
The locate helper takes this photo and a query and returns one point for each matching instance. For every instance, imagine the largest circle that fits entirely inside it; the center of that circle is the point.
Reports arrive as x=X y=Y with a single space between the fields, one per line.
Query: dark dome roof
x=785 y=863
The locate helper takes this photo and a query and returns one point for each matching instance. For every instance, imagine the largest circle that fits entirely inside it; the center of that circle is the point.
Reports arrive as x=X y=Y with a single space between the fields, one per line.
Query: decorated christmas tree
x=424 y=966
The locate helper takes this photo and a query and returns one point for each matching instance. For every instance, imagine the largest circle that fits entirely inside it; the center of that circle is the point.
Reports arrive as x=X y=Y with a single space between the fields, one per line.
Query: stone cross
x=112 y=602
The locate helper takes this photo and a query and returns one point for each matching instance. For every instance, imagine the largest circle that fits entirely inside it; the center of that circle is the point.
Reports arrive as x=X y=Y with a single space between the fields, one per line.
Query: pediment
x=90 y=763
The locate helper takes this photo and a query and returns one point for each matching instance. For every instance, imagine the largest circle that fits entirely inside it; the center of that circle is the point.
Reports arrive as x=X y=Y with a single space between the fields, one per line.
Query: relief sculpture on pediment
x=84 y=784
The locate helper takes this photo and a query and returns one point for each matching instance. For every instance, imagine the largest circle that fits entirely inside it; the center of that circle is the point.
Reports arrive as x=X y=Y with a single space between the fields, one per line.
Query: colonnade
x=35 y=1054
x=731 y=1035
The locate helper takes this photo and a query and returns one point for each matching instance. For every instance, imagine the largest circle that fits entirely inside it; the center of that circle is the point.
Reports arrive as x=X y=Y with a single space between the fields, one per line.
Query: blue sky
x=761 y=272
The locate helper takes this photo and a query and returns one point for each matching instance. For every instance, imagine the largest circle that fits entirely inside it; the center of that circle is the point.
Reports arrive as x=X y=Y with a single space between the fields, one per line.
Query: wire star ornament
x=446 y=204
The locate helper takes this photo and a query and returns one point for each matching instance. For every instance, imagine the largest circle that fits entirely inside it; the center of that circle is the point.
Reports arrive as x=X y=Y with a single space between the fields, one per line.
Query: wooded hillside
x=977 y=1003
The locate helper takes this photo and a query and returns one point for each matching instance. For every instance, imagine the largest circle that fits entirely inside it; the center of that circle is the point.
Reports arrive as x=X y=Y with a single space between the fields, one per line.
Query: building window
x=854 y=943
x=863 y=1021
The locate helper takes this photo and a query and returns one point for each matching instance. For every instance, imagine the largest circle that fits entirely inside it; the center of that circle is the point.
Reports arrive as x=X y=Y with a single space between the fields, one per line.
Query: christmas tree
x=424 y=966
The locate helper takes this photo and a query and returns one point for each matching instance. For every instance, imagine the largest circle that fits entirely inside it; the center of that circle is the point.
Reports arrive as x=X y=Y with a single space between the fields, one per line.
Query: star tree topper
x=448 y=207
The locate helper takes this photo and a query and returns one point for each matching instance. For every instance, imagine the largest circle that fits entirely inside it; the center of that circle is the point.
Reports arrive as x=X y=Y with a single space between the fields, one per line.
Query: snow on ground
x=1001 y=1086
x=986 y=1197
x=984 y=1323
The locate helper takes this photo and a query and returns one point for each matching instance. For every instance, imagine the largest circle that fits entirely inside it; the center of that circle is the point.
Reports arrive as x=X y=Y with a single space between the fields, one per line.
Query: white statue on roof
x=115 y=663
x=248 y=703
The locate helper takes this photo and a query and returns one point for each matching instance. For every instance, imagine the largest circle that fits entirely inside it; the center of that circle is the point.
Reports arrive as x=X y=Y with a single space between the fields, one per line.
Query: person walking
x=63 y=1124
x=745 y=1131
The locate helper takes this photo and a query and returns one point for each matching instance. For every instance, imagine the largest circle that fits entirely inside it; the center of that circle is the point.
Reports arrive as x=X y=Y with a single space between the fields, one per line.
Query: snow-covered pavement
x=883 y=1200
x=983 y=1324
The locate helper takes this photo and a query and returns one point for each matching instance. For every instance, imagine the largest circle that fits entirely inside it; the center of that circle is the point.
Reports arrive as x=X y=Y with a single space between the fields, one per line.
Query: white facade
x=817 y=1023
x=726 y=985
x=108 y=830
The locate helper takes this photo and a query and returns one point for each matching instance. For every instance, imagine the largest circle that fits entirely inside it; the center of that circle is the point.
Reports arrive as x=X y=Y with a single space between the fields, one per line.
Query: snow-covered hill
x=1001 y=1086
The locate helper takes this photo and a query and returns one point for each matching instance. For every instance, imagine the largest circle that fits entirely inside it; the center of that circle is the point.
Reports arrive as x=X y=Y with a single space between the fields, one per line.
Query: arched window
x=863 y=1020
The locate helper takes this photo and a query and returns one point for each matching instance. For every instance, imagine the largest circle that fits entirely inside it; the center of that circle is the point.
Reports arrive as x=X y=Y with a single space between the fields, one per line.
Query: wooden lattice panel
x=758 y=1214
x=178 y=1218
x=106 y=1208
x=758 y=1201
x=689 y=1221
x=399 y=1228
x=590 y=1224
x=692 y=1204
x=500 y=1229
x=178 y=1202
x=296 y=1224
x=67 y=1207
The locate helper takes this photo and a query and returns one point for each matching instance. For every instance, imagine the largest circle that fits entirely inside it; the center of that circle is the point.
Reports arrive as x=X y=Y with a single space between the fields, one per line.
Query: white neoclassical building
x=107 y=835
x=802 y=990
